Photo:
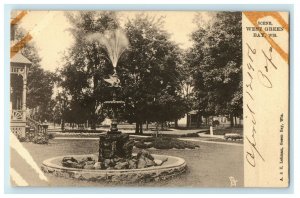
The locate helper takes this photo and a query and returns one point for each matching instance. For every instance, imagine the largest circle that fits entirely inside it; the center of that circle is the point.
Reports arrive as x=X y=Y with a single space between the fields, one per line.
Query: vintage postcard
x=149 y=98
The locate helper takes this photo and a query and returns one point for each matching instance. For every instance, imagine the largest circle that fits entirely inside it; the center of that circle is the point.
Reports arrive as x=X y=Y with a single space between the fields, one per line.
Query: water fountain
x=115 y=161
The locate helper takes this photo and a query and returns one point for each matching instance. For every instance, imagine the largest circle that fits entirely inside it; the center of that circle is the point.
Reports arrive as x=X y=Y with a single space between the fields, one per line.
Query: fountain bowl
x=174 y=166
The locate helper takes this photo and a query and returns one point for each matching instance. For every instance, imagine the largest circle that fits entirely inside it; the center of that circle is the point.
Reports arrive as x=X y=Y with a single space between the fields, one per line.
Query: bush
x=164 y=143
x=83 y=131
x=50 y=136
x=22 y=139
x=142 y=145
x=41 y=139
x=190 y=135
x=216 y=123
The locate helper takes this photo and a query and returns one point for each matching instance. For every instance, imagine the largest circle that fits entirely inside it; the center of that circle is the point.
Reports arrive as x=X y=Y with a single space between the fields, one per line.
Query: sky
x=51 y=37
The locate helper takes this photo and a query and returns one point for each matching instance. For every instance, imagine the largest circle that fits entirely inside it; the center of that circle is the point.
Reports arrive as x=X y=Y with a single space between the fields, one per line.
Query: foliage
x=216 y=123
x=215 y=60
x=41 y=138
x=87 y=64
x=40 y=83
x=150 y=73
x=164 y=143
x=190 y=135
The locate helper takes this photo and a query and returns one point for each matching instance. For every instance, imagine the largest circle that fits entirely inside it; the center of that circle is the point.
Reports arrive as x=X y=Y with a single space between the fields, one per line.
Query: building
x=19 y=67
x=193 y=120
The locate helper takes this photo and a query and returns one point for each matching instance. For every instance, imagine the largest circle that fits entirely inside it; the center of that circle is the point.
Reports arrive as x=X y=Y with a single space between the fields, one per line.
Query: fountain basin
x=172 y=167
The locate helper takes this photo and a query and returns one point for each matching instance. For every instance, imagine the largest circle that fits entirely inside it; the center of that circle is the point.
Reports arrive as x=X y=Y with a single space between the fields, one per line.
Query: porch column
x=24 y=93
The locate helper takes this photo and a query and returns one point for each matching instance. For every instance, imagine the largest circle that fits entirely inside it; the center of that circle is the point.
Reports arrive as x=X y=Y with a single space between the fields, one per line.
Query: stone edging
x=156 y=173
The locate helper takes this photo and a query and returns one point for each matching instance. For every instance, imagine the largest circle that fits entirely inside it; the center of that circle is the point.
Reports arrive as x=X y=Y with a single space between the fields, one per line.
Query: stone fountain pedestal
x=115 y=145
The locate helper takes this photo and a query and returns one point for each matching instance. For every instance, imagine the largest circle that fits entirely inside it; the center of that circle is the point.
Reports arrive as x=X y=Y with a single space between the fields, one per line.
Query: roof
x=19 y=59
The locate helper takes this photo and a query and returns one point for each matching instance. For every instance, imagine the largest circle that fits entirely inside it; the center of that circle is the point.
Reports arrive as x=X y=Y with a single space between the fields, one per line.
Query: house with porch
x=19 y=68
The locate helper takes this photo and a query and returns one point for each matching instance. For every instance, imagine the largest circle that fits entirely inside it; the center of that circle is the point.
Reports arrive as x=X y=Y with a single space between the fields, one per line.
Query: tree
x=216 y=61
x=150 y=73
x=86 y=66
x=61 y=109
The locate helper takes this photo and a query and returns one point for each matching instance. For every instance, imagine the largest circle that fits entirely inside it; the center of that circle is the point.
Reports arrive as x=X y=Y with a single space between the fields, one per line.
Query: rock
x=72 y=159
x=141 y=163
x=69 y=162
x=149 y=162
x=106 y=163
x=79 y=165
x=89 y=159
x=127 y=148
x=97 y=165
x=121 y=165
x=145 y=153
x=89 y=166
x=158 y=162
x=112 y=162
x=132 y=164
x=89 y=162
x=85 y=159
x=164 y=159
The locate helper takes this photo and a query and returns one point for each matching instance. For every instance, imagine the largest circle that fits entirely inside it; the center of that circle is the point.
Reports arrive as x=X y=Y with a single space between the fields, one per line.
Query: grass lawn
x=209 y=166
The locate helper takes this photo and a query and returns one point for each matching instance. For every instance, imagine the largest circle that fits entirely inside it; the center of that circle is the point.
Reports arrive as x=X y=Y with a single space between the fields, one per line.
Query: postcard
x=149 y=98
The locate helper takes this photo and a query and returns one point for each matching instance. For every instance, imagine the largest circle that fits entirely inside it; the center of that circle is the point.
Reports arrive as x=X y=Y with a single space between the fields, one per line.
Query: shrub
x=216 y=123
x=50 y=136
x=142 y=145
x=22 y=139
x=41 y=139
x=190 y=135
x=83 y=131
x=164 y=143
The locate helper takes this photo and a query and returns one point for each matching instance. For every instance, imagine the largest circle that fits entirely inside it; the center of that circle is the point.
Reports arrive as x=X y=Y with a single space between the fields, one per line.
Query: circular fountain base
x=172 y=167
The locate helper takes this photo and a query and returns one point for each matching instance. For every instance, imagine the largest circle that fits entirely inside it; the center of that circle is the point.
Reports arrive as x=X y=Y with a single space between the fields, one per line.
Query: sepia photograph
x=140 y=98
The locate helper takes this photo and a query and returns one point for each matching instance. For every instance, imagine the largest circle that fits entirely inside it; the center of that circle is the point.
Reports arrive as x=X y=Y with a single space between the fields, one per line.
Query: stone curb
x=157 y=173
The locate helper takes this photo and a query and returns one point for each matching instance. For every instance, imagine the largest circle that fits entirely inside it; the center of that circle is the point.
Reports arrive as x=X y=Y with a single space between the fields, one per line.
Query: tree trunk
x=198 y=120
x=176 y=124
x=156 y=129
x=235 y=122
x=62 y=124
x=162 y=125
x=188 y=120
x=93 y=125
x=141 y=128
x=231 y=120
x=93 y=120
x=137 y=130
x=147 y=125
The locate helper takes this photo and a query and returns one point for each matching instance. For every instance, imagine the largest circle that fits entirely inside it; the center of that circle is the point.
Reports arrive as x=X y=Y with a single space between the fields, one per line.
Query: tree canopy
x=215 y=60
x=87 y=65
x=150 y=73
